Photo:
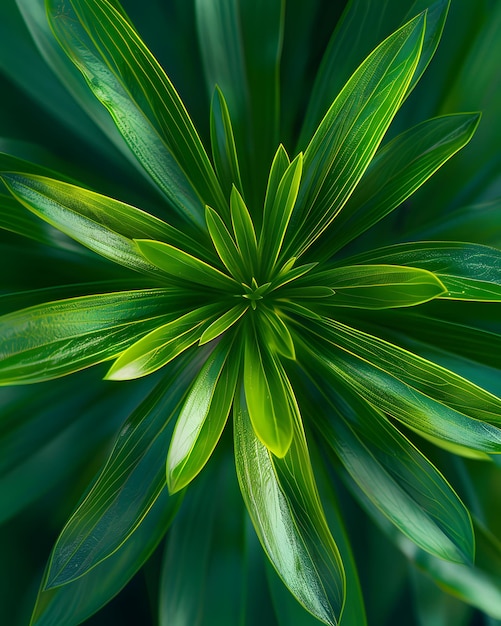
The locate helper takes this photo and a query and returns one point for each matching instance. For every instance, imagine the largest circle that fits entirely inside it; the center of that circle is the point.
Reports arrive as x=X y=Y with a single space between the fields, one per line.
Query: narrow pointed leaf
x=116 y=63
x=277 y=217
x=126 y=489
x=161 y=345
x=104 y=225
x=15 y=218
x=202 y=417
x=243 y=228
x=278 y=168
x=397 y=170
x=468 y=271
x=267 y=397
x=224 y=244
x=398 y=479
x=221 y=325
x=183 y=266
x=283 y=502
x=275 y=333
x=57 y=338
x=351 y=131
x=379 y=286
x=224 y=150
x=423 y=395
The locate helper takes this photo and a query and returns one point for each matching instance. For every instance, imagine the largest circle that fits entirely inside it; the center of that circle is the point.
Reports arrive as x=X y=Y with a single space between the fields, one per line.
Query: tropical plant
x=299 y=317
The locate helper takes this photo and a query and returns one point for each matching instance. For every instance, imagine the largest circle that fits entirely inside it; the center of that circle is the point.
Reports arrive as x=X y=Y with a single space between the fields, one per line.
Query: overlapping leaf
x=468 y=271
x=351 y=131
x=57 y=338
x=128 y=486
x=283 y=502
x=153 y=121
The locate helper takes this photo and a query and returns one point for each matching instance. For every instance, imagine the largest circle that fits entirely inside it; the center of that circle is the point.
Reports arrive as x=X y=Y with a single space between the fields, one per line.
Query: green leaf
x=224 y=150
x=75 y=602
x=468 y=271
x=221 y=325
x=154 y=123
x=241 y=42
x=245 y=234
x=128 y=486
x=283 y=502
x=267 y=396
x=224 y=244
x=278 y=168
x=58 y=338
x=16 y=219
x=424 y=396
x=378 y=286
x=182 y=266
x=278 y=211
x=102 y=224
x=351 y=131
x=367 y=23
x=397 y=478
x=203 y=417
x=161 y=345
x=275 y=333
x=396 y=171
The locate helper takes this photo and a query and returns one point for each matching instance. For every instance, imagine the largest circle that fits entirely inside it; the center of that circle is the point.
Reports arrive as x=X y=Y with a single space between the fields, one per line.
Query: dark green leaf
x=128 y=486
x=58 y=338
x=17 y=219
x=224 y=150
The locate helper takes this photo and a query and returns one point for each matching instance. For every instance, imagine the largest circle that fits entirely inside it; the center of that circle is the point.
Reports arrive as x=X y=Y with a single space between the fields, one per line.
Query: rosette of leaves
x=285 y=320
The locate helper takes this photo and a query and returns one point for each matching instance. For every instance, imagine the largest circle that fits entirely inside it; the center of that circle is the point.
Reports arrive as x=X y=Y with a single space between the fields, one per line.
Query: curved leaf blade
x=221 y=325
x=468 y=271
x=283 y=502
x=379 y=286
x=57 y=338
x=202 y=417
x=128 y=486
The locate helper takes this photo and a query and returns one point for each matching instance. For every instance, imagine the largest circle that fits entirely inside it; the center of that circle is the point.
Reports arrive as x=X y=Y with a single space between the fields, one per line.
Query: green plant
x=276 y=279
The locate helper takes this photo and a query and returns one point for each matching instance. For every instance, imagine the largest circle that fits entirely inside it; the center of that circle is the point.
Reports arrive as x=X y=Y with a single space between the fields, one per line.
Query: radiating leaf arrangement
x=251 y=284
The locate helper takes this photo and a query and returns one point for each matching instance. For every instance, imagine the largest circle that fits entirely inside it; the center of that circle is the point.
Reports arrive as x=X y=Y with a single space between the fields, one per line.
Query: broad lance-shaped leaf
x=75 y=602
x=116 y=63
x=283 y=502
x=102 y=224
x=183 y=266
x=468 y=271
x=277 y=214
x=224 y=151
x=162 y=345
x=203 y=416
x=367 y=23
x=426 y=397
x=267 y=396
x=57 y=338
x=397 y=478
x=351 y=131
x=377 y=286
x=395 y=172
x=127 y=487
x=275 y=333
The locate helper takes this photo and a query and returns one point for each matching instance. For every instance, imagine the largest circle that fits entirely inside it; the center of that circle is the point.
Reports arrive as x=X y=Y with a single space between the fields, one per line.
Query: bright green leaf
x=224 y=244
x=202 y=417
x=245 y=234
x=221 y=325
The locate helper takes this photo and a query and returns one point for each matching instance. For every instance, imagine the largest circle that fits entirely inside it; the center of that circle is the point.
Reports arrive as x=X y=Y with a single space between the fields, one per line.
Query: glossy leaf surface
x=282 y=499
x=57 y=338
